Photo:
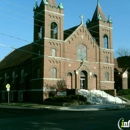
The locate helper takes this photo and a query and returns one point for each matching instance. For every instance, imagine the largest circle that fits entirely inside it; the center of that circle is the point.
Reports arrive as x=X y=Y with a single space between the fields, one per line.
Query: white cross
x=82 y=19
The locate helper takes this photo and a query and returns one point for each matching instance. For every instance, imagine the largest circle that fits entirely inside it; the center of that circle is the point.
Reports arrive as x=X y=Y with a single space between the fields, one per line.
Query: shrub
x=124 y=92
x=70 y=98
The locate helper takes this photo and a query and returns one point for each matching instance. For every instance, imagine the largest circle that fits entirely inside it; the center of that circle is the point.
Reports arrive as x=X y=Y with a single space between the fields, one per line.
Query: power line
x=37 y=44
x=28 y=16
x=42 y=21
x=47 y=56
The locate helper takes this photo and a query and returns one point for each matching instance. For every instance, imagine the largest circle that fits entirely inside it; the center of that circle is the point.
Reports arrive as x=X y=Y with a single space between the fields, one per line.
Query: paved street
x=45 y=119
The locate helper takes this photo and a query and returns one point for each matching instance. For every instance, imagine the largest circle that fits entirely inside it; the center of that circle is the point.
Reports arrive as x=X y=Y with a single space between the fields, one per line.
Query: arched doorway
x=94 y=81
x=83 y=80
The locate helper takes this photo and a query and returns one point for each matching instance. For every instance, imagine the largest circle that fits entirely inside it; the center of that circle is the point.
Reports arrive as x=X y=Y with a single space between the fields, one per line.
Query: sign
x=64 y=93
x=8 y=87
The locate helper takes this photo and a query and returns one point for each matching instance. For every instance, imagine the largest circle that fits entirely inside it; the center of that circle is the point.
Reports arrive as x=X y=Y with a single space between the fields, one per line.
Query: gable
x=80 y=33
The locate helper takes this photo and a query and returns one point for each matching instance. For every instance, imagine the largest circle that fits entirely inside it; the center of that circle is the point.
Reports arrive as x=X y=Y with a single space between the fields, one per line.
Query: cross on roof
x=82 y=19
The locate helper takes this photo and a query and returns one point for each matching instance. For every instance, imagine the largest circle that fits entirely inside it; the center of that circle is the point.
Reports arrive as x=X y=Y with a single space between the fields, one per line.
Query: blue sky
x=17 y=20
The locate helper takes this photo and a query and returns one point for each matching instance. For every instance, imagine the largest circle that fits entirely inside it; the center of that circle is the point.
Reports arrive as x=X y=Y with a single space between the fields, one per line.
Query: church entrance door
x=83 y=80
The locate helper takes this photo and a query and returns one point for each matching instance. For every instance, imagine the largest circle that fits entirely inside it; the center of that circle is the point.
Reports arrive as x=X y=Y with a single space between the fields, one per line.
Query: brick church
x=82 y=56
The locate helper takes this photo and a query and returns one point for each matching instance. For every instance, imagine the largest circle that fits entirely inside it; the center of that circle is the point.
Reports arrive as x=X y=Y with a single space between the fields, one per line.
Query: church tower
x=101 y=28
x=48 y=20
x=48 y=36
x=101 y=31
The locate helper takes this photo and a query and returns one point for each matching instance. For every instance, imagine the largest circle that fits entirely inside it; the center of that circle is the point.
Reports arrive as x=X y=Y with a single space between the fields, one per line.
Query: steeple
x=36 y=4
x=98 y=14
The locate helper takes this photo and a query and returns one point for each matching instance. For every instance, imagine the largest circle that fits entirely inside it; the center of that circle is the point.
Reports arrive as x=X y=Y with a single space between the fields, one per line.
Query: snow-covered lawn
x=99 y=97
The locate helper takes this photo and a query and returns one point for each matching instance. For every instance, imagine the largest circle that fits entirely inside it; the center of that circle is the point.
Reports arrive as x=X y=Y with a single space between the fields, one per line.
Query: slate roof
x=98 y=11
x=117 y=66
x=17 y=57
x=69 y=31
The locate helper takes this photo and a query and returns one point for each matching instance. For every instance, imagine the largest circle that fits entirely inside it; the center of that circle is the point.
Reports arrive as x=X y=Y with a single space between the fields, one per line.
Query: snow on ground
x=99 y=97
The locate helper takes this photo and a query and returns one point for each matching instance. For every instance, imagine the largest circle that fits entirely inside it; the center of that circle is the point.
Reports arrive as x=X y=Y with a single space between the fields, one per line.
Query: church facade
x=81 y=56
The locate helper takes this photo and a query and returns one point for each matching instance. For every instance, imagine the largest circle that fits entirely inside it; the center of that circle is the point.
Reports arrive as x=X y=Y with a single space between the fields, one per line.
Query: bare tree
x=122 y=51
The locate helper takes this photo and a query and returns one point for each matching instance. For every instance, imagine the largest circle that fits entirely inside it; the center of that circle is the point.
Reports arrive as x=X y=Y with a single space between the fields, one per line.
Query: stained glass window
x=105 y=40
x=53 y=52
x=82 y=52
x=107 y=76
x=106 y=59
x=53 y=72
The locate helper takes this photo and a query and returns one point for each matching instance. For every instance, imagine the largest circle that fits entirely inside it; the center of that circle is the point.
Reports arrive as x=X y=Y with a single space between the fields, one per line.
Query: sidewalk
x=69 y=108
x=96 y=107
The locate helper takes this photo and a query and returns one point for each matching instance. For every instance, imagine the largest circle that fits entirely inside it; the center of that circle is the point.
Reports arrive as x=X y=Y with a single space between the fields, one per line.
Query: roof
x=98 y=11
x=69 y=31
x=117 y=66
x=17 y=57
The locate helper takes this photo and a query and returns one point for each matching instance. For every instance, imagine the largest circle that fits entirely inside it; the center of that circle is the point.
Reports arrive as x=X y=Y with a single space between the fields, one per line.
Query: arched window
x=54 y=30
x=53 y=73
x=82 y=52
x=105 y=41
x=53 y=52
x=106 y=59
x=106 y=76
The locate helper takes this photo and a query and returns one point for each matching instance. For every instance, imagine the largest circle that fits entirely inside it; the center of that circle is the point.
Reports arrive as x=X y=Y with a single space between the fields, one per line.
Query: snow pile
x=99 y=97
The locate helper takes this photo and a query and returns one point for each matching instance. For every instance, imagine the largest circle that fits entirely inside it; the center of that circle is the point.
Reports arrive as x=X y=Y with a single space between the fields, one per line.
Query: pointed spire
x=109 y=19
x=45 y=2
x=36 y=4
x=98 y=14
x=61 y=6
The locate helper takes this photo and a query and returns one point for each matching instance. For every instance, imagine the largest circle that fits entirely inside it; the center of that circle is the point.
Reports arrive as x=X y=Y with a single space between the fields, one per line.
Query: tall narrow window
x=54 y=30
x=105 y=40
x=106 y=59
x=53 y=52
x=13 y=76
x=106 y=76
x=40 y=32
x=22 y=75
x=53 y=72
x=82 y=52
x=5 y=77
x=20 y=96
